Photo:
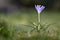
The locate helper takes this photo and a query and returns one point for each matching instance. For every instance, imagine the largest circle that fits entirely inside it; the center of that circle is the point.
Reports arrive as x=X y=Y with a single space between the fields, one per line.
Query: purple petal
x=42 y=8
x=39 y=8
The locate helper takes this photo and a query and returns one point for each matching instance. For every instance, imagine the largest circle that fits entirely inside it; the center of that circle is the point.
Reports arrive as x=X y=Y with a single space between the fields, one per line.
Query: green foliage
x=19 y=32
x=4 y=28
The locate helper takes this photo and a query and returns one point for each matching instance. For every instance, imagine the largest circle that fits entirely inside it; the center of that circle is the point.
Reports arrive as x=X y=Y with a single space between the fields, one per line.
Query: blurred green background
x=16 y=15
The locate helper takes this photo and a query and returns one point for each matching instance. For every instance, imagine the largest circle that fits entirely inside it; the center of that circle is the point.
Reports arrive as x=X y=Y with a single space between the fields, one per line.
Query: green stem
x=38 y=21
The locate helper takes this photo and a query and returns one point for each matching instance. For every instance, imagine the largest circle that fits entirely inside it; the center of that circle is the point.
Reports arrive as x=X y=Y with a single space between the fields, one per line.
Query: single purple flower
x=39 y=8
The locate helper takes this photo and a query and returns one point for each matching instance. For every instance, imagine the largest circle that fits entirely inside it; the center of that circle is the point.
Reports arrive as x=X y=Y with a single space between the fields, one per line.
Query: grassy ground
x=16 y=25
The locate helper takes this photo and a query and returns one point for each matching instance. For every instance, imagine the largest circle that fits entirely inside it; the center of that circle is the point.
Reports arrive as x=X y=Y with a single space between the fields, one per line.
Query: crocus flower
x=39 y=8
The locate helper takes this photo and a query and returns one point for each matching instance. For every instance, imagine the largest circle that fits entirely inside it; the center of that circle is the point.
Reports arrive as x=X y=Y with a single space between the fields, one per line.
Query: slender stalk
x=38 y=20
